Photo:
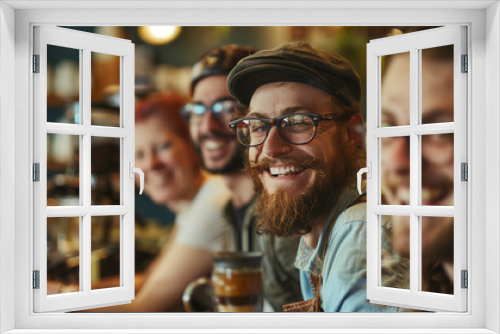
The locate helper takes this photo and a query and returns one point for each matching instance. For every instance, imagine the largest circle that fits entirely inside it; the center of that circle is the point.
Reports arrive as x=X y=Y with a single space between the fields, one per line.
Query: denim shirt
x=343 y=287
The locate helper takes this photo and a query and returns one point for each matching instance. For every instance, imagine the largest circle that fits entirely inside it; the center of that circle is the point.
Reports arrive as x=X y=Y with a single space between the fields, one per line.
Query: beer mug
x=236 y=283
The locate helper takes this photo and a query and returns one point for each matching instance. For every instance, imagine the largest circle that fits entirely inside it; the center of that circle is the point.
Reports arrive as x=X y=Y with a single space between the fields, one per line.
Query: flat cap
x=296 y=62
x=218 y=61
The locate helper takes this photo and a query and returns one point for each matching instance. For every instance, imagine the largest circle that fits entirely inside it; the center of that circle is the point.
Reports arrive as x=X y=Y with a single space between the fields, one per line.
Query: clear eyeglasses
x=296 y=129
x=221 y=110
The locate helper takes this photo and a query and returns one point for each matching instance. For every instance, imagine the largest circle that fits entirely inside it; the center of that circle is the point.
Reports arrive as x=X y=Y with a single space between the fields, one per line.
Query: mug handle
x=190 y=289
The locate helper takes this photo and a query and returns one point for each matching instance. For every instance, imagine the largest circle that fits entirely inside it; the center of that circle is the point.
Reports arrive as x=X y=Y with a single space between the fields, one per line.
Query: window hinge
x=36 y=172
x=464 y=172
x=465 y=64
x=465 y=279
x=36 y=63
x=36 y=279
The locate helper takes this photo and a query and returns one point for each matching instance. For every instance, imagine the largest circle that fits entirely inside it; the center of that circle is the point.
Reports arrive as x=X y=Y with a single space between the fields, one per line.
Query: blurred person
x=437 y=160
x=174 y=178
x=304 y=131
x=209 y=114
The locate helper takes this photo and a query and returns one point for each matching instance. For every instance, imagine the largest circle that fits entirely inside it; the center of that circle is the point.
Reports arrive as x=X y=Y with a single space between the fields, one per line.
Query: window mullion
x=85 y=182
x=414 y=170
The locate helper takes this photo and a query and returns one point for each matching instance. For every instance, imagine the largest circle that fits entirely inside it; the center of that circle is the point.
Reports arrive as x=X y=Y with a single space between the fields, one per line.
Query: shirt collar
x=310 y=259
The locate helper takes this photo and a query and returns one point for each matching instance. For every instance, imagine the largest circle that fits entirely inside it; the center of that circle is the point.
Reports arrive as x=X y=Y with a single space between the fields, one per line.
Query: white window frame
x=17 y=19
x=84 y=43
x=413 y=43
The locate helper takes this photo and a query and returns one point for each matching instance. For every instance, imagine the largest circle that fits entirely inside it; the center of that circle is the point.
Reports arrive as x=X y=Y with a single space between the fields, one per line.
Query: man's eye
x=257 y=128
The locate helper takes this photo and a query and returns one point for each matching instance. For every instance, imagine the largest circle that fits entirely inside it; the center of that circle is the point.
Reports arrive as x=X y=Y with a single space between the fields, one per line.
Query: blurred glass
x=105 y=168
x=395 y=170
x=63 y=84
x=395 y=91
x=437 y=85
x=63 y=178
x=63 y=250
x=437 y=254
x=105 y=89
x=397 y=241
x=437 y=169
x=105 y=231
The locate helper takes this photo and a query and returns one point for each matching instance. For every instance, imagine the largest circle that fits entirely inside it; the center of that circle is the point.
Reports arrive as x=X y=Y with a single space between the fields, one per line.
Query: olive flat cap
x=295 y=62
x=218 y=61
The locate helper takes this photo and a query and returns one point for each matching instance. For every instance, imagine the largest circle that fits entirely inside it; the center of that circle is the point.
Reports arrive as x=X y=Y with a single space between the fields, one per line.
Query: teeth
x=213 y=144
x=431 y=194
x=404 y=195
x=281 y=171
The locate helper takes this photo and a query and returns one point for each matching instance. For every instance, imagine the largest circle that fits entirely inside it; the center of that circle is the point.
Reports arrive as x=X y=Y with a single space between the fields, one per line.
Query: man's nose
x=209 y=122
x=400 y=157
x=275 y=145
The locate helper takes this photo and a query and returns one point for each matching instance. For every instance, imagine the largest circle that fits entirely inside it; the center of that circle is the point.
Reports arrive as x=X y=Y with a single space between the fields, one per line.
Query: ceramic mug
x=236 y=283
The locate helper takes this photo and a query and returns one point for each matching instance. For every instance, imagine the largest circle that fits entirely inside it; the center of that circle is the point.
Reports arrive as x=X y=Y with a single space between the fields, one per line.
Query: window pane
x=437 y=170
x=395 y=251
x=105 y=89
x=437 y=85
x=437 y=254
x=105 y=258
x=395 y=170
x=105 y=171
x=63 y=84
x=63 y=255
x=395 y=93
x=63 y=170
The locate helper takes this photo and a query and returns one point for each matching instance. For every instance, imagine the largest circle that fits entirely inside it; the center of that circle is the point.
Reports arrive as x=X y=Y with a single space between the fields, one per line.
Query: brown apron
x=313 y=305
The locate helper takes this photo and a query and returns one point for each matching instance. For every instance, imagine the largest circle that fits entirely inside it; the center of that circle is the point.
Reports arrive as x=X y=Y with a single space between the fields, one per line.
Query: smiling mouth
x=214 y=144
x=429 y=196
x=433 y=196
x=285 y=170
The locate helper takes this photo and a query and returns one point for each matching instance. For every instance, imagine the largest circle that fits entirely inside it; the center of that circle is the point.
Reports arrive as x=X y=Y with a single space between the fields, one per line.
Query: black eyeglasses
x=296 y=129
x=221 y=110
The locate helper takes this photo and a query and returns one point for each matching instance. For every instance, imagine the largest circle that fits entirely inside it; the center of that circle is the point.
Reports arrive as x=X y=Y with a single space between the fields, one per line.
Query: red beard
x=284 y=214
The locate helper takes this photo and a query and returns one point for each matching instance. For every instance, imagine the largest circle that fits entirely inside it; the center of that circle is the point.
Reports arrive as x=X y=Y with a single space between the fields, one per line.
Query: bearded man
x=208 y=115
x=304 y=134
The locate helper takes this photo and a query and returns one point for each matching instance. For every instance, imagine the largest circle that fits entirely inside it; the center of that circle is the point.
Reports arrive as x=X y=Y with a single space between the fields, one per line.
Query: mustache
x=303 y=163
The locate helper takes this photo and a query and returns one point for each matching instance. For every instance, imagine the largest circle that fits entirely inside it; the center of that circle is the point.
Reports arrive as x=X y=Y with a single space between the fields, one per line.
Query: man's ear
x=355 y=132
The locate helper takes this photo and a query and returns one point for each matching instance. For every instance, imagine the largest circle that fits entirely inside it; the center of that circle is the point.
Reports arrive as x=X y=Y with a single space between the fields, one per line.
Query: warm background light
x=157 y=35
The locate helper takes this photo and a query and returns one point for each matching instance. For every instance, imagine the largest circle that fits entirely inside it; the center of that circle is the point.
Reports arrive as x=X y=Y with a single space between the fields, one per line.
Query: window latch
x=133 y=170
x=368 y=171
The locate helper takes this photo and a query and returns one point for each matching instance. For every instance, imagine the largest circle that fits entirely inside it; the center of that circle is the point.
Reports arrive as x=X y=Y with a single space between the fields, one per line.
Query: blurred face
x=437 y=152
x=168 y=161
x=212 y=137
x=298 y=183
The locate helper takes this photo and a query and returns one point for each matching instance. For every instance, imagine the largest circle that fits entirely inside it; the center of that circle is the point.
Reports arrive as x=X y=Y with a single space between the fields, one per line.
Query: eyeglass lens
x=221 y=111
x=295 y=129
